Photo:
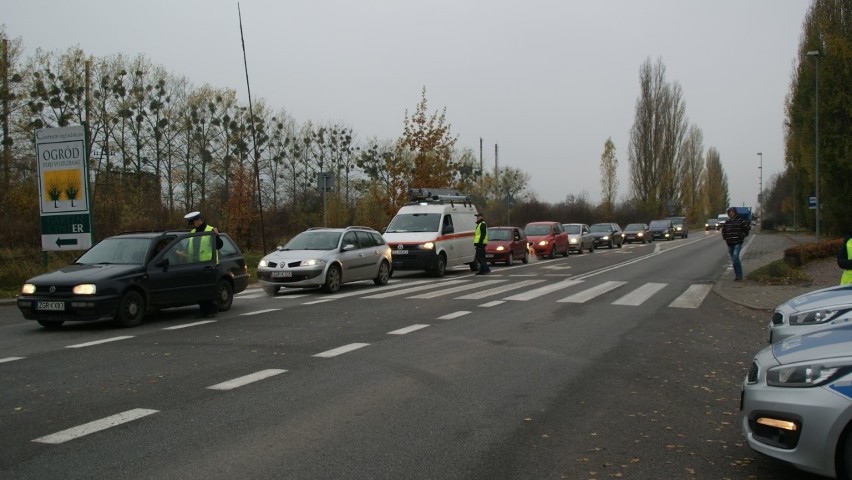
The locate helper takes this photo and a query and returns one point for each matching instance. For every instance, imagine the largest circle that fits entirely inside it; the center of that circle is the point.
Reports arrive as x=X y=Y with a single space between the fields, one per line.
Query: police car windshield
x=414 y=222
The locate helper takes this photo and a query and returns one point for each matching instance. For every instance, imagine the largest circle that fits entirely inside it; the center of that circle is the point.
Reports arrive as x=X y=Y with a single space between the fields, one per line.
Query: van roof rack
x=437 y=195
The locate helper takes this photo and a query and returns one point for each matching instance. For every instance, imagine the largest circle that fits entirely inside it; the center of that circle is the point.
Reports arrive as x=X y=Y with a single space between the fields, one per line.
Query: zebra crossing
x=521 y=289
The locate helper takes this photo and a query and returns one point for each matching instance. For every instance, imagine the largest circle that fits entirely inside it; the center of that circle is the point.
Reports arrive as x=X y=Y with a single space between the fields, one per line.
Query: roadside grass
x=779 y=272
x=17 y=265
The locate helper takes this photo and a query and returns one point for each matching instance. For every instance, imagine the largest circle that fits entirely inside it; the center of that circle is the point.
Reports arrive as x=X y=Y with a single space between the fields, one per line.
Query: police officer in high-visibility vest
x=480 y=240
x=200 y=249
x=844 y=260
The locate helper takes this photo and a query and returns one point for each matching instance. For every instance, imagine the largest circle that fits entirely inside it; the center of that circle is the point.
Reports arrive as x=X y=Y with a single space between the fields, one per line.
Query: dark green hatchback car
x=126 y=276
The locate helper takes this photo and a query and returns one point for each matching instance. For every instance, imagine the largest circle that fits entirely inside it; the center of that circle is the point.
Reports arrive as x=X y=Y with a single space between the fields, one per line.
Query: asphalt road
x=618 y=364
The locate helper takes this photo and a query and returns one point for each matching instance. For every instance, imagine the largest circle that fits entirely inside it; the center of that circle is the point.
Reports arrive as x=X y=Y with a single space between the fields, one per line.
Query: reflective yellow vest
x=847 y=274
x=480 y=234
x=205 y=247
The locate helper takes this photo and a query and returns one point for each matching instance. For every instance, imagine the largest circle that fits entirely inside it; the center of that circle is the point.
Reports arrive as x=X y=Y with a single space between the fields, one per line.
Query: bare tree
x=692 y=165
x=609 y=179
x=715 y=186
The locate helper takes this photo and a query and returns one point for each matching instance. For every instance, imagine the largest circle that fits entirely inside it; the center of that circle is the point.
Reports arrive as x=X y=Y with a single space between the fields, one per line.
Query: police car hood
x=409 y=237
x=836 y=296
x=83 y=273
x=820 y=344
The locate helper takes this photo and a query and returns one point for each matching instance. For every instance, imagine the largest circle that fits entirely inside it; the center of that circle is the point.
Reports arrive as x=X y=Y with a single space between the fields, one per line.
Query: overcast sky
x=547 y=81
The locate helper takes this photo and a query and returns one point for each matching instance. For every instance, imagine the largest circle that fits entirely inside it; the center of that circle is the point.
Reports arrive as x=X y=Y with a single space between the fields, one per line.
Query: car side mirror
x=347 y=247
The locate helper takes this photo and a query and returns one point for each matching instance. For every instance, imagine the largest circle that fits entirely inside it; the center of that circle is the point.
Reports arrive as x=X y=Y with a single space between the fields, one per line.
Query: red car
x=506 y=244
x=547 y=238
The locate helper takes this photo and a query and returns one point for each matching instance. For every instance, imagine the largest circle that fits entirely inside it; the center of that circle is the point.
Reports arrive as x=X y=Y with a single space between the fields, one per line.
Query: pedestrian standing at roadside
x=844 y=260
x=734 y=232
x=480 y=240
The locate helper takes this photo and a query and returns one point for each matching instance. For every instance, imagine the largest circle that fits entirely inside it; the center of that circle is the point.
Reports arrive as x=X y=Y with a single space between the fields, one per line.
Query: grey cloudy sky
x=547 y=80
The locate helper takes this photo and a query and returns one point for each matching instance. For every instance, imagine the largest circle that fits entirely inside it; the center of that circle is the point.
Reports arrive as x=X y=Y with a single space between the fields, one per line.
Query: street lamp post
x=815 y=54
x=760 y=192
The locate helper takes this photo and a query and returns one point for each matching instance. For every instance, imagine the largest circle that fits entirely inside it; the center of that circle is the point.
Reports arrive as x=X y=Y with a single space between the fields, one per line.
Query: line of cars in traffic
x=796 y=399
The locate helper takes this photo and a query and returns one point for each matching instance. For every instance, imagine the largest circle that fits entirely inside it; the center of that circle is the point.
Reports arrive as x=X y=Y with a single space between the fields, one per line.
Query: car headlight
x=542 y=243
x=85 y=289
x=679 y=228
x=28 y=289
x=428 y=246
x=804 y=375
x=640 y=234
x=312 y=262
x=814 y=317
x=573 y=241
x=500 y=248
x=263 y=263
x=605 y=237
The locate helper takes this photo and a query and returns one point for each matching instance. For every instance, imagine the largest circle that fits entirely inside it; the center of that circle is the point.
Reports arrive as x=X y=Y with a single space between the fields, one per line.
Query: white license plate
x=285 y=273
x=400 y=252
x=489 y=255
x=53 y=306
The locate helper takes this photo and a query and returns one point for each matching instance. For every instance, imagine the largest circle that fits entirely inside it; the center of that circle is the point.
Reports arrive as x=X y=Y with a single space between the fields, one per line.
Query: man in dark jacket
x=734 y=232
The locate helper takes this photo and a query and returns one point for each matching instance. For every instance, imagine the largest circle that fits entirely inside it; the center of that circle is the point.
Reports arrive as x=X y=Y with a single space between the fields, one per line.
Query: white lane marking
x=186 y=325
x=341 y=350
x=258 y=312
x=450 y=291
x=383 y=287
x=406 y=291
x=249 y=295
x=493 y=304
x=322 y=300
x=246 y=379
x=557 y=267
x=540 y=291
x=498 y=290
x=693 y=296
x=409 y=329
x=590 y=293
x=286 y=297
x=10 y=359
x=640 y=295
x=453 y=315
x=96 y=426
x=98 y=342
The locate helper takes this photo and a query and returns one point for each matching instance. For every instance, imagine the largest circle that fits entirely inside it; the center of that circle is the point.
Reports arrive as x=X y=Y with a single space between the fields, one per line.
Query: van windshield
x=414 y=222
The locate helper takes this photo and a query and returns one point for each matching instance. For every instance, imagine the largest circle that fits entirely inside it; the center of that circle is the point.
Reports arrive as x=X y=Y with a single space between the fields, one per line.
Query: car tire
x=131 y=309
x=580 y=250
x=510 y=259
x=441 y=266
x=552 y=252
x=620 y=244
x=271 y=289
x=51 y=323
x=224 y=295
x=526 y=258
x=332 y=280
x=565 y=252
x=384 y=274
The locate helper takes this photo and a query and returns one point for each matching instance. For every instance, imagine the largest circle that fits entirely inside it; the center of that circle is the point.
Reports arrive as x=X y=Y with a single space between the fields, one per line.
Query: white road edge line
x=341 y=350
x=96 y=426
x=258 y=312
x=98 y=342
x=453 y=315
x=10 y=359
x=246 y=379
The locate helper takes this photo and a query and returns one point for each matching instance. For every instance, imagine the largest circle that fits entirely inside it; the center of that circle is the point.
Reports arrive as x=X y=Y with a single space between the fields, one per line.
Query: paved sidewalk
x=761 y=249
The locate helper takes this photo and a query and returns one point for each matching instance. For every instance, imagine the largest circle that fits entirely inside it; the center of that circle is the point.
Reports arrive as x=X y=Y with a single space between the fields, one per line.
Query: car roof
x=341 y=229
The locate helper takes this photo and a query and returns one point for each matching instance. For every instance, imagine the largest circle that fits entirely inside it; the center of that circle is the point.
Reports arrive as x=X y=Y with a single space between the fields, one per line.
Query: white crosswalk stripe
x=541 y=291
x=693 y=296
x=450 y=291
x=590 y=293
x=406 y=291
x=640 y=295
x=498 y=290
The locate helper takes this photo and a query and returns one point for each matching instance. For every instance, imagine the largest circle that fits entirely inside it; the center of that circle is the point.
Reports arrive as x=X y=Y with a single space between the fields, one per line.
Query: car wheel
x=620 y=244
x=224 y=295
x=526 y=258
x=611 y=244
x=441 y=266
x=271 y=289
x=51 y=323
x=131 y=309
x=566 y=252
x=510 y=259
x=553 y=251
x=332 y=280
x=384 y=274
x=580 y=250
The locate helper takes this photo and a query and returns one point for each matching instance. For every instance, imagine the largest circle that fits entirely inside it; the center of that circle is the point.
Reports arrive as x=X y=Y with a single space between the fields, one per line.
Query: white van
x=432 y=234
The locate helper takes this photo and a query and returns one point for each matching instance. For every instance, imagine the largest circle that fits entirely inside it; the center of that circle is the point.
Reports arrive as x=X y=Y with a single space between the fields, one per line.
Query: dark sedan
x=637 y=232
x=608 y=234
x=125 y=276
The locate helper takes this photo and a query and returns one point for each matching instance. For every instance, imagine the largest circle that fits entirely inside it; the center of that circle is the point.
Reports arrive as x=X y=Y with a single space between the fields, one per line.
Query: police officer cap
x=191 y=216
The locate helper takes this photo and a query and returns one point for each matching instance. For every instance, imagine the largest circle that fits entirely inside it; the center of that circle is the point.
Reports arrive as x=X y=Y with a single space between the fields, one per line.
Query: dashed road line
x=98 y=342
x=258 y=312
x=453 y=315
x=246 y=379
x=409 y=329
x=10 y=359
x=341 y=350
x=96 y=426
x=187 y=325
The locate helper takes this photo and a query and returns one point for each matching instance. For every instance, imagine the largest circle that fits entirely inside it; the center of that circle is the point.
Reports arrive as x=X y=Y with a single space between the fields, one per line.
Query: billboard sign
x=63 y=188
